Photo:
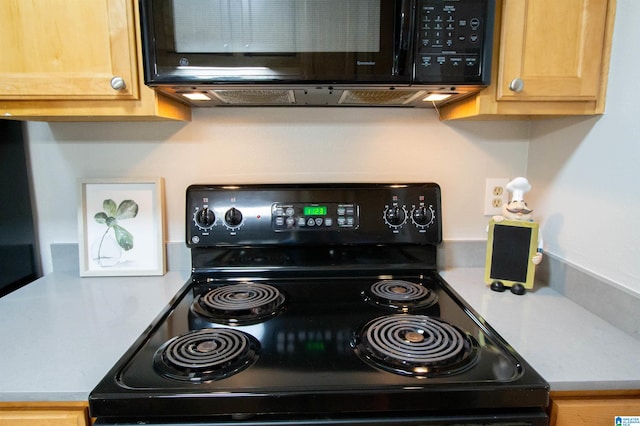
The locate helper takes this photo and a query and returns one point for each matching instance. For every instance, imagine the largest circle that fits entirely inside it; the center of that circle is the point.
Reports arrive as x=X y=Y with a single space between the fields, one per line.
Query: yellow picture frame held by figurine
x=511 y=246
x=514 y=246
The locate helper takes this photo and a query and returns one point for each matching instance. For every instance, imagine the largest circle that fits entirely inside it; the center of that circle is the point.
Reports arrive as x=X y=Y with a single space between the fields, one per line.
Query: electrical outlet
x=495 y=195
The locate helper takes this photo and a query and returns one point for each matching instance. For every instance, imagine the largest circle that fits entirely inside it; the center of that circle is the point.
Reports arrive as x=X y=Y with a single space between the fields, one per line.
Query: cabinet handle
x=516 y=85
x=117 y=83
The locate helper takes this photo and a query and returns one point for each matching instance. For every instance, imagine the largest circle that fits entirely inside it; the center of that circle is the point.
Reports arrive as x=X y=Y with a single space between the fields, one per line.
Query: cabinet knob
x=516 y=85
x=117 y=83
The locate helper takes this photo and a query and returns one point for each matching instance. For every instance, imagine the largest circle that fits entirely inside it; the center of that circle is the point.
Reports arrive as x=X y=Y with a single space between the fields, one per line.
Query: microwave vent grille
x=379 y=97
x=256 y=97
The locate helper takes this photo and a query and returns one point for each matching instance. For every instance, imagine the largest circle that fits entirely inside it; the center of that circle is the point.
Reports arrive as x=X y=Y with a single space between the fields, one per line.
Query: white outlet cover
x=495 y=190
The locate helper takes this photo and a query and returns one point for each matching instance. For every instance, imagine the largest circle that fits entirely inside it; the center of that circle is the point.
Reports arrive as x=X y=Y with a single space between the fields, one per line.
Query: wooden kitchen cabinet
x=550 y=58
x=66 y=49
x=44 y=414
x=590 y=408
x=76 y=60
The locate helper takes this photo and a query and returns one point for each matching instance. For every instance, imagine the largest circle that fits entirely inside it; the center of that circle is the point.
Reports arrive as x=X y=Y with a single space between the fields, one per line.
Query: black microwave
x=196 y=46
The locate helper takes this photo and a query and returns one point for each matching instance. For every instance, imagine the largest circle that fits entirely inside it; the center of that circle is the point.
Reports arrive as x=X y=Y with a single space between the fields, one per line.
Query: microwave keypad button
x=450 y=39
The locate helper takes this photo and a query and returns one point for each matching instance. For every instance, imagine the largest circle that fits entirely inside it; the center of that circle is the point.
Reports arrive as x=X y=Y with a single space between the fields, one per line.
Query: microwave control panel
x=453 y=39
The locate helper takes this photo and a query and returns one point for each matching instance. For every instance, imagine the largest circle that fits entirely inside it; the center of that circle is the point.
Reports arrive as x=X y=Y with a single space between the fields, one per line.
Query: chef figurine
x=518 y=210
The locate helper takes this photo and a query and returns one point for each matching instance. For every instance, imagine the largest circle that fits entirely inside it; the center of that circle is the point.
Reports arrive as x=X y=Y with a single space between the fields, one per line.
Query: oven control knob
x=233 y=217
x=205 y=218
x=422 y=216
x=395 y=215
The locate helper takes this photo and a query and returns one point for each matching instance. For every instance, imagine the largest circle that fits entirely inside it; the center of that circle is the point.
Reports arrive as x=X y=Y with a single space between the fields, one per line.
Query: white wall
x=586 y=172
x=249 y=145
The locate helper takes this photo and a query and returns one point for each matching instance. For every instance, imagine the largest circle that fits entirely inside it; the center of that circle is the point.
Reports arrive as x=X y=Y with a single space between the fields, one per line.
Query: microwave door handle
x=401 y=45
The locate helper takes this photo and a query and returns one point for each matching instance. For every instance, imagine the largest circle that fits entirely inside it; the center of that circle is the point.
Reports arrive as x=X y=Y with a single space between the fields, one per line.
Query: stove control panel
x=313 y=214
x=319 y=217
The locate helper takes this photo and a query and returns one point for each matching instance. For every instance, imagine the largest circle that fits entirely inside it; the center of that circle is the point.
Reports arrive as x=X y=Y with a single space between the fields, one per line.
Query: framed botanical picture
x=121 y=227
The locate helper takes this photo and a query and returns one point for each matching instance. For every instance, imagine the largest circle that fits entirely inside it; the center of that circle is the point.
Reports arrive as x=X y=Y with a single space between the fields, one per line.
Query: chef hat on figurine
x=518 y=187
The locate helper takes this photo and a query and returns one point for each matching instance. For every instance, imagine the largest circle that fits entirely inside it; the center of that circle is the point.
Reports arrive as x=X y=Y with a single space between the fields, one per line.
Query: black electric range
x=318 y=304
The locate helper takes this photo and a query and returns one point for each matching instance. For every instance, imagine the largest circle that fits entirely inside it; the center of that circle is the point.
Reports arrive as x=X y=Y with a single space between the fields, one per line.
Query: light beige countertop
x=572 y=348
x=62 y=333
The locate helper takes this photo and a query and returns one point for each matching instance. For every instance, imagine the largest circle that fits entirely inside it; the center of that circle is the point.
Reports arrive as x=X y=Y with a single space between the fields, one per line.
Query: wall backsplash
x=259 y=145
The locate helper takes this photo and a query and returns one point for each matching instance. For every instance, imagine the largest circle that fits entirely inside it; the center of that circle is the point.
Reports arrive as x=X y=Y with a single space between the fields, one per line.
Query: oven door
x=276 y=41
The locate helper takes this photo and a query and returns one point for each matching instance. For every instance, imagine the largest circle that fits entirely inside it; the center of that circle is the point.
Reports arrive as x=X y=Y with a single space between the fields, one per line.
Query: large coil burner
x=415 y=345
x=239 y=304
x=206 y=355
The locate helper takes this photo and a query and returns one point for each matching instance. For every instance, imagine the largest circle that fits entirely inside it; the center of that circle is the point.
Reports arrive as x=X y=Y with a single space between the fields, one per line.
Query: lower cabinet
x=44 y=414
x=591 y=408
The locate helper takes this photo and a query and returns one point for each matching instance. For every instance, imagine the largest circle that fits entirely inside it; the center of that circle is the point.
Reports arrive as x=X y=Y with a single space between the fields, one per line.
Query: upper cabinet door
x=551 y=50
x=67 y=49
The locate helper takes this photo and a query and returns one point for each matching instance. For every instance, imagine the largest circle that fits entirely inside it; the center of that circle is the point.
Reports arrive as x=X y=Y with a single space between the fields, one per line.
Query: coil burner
x=415 y=345
x=239 y=304
x=399 y=295
x=206 y=355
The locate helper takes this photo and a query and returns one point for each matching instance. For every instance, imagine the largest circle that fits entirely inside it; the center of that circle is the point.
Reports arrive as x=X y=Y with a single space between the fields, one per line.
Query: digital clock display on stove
x=309 y=216
x=314 y=210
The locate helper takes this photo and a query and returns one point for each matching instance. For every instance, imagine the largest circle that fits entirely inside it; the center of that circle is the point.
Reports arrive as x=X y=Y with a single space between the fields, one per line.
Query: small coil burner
x=239 y=304
x=404 y=296
x=415 y=345
x=206 y=355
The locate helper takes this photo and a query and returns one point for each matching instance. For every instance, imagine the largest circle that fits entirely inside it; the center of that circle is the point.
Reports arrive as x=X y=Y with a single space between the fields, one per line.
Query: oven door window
x=277 y=40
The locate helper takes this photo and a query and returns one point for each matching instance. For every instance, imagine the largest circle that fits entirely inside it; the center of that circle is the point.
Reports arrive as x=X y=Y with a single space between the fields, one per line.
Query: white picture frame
x=124 y=236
